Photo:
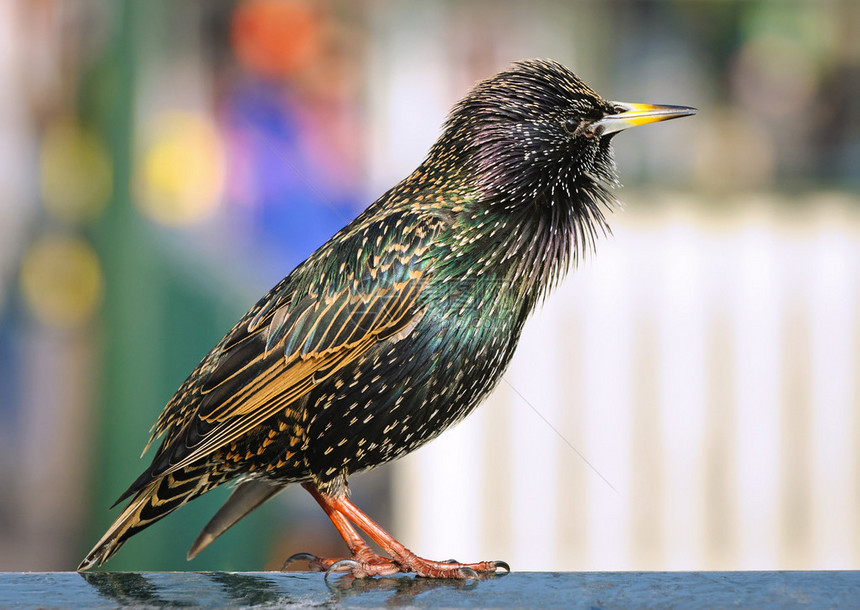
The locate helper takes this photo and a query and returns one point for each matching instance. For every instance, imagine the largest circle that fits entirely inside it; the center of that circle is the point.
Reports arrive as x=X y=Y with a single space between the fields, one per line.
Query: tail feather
x=152 y=503
x=245 y=498
x=126 y=525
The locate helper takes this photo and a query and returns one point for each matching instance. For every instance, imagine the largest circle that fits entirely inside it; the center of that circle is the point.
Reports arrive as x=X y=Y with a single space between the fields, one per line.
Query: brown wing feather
x=286 y=378
x=293 y=339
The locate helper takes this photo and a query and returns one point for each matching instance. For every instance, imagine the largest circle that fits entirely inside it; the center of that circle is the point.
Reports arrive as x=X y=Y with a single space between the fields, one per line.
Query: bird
x=399 y=325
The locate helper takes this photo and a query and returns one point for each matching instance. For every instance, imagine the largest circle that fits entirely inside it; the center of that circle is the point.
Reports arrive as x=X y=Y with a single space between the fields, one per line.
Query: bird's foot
x=361 y=565
x=366 y=563
x=427 y=568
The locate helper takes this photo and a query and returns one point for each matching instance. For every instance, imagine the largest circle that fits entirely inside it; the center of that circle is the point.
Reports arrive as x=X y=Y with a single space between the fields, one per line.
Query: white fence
x=687 y=399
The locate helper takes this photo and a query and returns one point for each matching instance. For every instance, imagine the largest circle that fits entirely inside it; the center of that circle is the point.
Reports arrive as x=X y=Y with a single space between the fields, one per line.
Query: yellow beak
x=630 y=115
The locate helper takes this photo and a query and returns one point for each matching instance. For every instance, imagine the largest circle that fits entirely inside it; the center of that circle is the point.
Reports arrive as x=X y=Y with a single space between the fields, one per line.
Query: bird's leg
x=404 y=559
x=363 y=562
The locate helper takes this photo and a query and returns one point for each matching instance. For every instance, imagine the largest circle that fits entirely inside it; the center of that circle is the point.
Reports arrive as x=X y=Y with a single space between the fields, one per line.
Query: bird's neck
x=515 y=245
x=516 y=253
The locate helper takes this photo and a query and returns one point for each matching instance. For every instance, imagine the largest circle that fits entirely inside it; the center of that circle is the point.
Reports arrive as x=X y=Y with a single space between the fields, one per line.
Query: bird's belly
x=401 y=396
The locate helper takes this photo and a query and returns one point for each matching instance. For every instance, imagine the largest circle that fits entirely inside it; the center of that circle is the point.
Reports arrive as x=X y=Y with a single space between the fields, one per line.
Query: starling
x=399 y=325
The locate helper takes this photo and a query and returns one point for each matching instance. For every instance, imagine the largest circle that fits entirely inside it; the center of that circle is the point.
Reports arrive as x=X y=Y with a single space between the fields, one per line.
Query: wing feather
x=286 y=345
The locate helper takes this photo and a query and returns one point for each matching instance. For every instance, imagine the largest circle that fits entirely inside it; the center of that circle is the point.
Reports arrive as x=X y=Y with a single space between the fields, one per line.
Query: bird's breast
x=411 y=387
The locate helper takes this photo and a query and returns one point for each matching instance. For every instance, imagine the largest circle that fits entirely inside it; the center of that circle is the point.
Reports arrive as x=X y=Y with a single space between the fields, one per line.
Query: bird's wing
x=278 y=354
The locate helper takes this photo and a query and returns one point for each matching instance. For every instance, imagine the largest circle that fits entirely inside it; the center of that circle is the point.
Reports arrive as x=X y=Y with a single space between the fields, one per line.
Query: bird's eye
x=571 y=125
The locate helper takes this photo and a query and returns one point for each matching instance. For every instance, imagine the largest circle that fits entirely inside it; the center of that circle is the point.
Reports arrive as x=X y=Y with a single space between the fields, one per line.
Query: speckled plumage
x=401 y=323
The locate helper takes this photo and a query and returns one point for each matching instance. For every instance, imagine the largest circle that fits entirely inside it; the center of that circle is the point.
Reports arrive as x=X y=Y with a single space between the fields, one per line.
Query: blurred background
x=686 y=400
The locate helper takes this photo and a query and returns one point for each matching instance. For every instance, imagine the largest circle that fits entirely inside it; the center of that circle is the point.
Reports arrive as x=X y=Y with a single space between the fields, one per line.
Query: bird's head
x=537 y=133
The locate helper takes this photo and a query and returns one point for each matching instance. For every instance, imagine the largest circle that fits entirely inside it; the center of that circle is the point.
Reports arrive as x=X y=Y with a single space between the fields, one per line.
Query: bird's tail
x=245 y=498
x=155 y=501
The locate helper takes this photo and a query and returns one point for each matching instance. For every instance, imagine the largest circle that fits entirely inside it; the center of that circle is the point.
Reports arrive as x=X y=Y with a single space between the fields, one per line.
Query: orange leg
x=369 y=563
x=364 y=562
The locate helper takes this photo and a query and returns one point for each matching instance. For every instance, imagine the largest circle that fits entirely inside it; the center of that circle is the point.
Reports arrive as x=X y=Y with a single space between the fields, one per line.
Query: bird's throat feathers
x=525 y=248
x=527 y=238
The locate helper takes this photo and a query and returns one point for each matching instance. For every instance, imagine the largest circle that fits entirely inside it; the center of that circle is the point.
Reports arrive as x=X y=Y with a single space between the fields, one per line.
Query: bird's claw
x=498 y=563
x=342 y=565
x=298 y=557
x=467 y=573
x=315 y=564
